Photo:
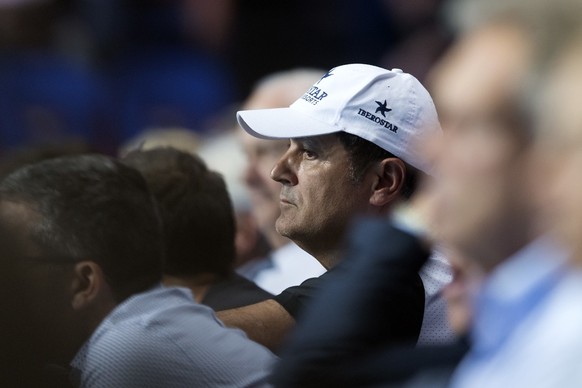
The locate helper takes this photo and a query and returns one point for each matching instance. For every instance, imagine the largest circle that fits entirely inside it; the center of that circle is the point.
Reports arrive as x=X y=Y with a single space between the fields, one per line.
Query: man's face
x=559 y=152
x=482 y=210
x=264 y=192
x=317 y=199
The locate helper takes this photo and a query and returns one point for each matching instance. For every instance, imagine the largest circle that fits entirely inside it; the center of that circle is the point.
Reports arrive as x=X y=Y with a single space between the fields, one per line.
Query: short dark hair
x=196 y=211
x=363 y=153
x=93 y=207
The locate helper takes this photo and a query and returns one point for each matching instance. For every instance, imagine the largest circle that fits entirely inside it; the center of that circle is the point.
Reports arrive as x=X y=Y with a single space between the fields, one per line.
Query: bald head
x=282 y=89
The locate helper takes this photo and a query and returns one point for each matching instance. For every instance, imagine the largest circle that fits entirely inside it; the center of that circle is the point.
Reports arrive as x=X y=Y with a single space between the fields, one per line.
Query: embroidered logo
x=382 y=108
x=328 y=74
x=314 y=95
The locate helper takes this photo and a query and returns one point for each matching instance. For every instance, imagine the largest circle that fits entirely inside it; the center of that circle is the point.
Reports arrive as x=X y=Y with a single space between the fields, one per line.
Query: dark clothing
x=372 y=302
x=422 y=367
x=405 y=366
x=19 y=376
x=295 y=299
x=235 y=291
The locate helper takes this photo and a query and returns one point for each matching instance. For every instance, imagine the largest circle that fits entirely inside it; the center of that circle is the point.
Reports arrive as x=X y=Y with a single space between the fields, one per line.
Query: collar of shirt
x=512 y=291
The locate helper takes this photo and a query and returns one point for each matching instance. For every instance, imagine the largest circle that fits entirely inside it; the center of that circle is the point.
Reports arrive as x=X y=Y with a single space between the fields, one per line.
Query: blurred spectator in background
x=544 y=346
x=205 y=25
x=559 y=146
x=15 y=158
x=416 y=33
x=286 y=265
x=483 y=208
x=389 y=33
x=178 y=138
x=103 y=70
x=199 y=228
x=165 y=63
x=165 y=87
x=269 y=36
x=46 y=96
x=223 y=153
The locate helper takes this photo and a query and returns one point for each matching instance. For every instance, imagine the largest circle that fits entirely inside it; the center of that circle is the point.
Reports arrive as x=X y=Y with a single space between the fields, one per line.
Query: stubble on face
x=317 y=208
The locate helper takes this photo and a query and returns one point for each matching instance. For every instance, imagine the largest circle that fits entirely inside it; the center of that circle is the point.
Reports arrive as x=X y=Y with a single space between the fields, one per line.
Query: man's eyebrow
x=311 y=142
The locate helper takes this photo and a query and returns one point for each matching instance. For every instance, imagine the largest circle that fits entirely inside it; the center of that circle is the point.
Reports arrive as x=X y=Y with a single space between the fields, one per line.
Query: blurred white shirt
x=285 y=267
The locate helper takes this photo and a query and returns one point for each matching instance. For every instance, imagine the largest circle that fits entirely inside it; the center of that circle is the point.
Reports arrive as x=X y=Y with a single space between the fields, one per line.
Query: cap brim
x=281 y=123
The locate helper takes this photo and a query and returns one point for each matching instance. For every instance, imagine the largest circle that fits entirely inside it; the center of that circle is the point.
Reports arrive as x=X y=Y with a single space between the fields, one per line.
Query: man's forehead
x=318 y=140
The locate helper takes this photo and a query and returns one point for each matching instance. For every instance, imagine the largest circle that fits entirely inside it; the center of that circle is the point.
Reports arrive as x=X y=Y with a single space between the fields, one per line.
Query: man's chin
x=284 y=229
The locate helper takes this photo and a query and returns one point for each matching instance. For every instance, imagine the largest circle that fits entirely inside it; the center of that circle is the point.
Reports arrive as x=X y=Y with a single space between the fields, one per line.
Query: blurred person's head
x=351 y=151
x=487 y=206
x=223 y=154
x=477 y=88
x=15 y=158
x=483 y=89
x=559 y=146
x=277 y=90
x=79 y=235
x=195 y=209
x=29 y=23
x=179 y=138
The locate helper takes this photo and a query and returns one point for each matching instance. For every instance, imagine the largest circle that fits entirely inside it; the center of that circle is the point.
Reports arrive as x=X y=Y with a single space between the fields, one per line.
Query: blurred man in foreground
x=487 y=210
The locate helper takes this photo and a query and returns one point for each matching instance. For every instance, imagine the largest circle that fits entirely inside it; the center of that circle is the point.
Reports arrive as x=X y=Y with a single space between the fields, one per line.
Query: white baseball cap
x=389 y=108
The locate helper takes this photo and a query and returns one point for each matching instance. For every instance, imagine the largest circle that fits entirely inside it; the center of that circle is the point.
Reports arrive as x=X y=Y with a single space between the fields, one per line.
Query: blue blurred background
x=102 y=71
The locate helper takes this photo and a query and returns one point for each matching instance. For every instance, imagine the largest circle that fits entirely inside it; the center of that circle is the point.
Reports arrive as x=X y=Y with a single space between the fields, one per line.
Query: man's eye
x=309 y=154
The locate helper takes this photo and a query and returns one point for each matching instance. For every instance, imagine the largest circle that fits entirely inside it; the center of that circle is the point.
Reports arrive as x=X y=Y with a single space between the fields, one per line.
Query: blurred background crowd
x=102 y=71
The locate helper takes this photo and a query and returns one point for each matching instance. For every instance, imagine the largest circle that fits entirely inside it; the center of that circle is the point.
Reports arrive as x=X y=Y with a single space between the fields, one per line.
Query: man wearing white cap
x=352 y=151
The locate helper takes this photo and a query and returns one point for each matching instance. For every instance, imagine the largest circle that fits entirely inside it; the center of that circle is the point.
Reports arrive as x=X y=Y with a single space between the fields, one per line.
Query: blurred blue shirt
x=527 y=324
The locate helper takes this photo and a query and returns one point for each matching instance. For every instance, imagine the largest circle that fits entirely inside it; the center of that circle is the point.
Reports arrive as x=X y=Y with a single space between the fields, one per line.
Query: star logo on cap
x=328 y=74
x=382 y=108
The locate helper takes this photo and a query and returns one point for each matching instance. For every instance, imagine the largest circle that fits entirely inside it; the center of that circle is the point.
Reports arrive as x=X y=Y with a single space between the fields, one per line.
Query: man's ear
x=88 y=284
x=390 y=177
